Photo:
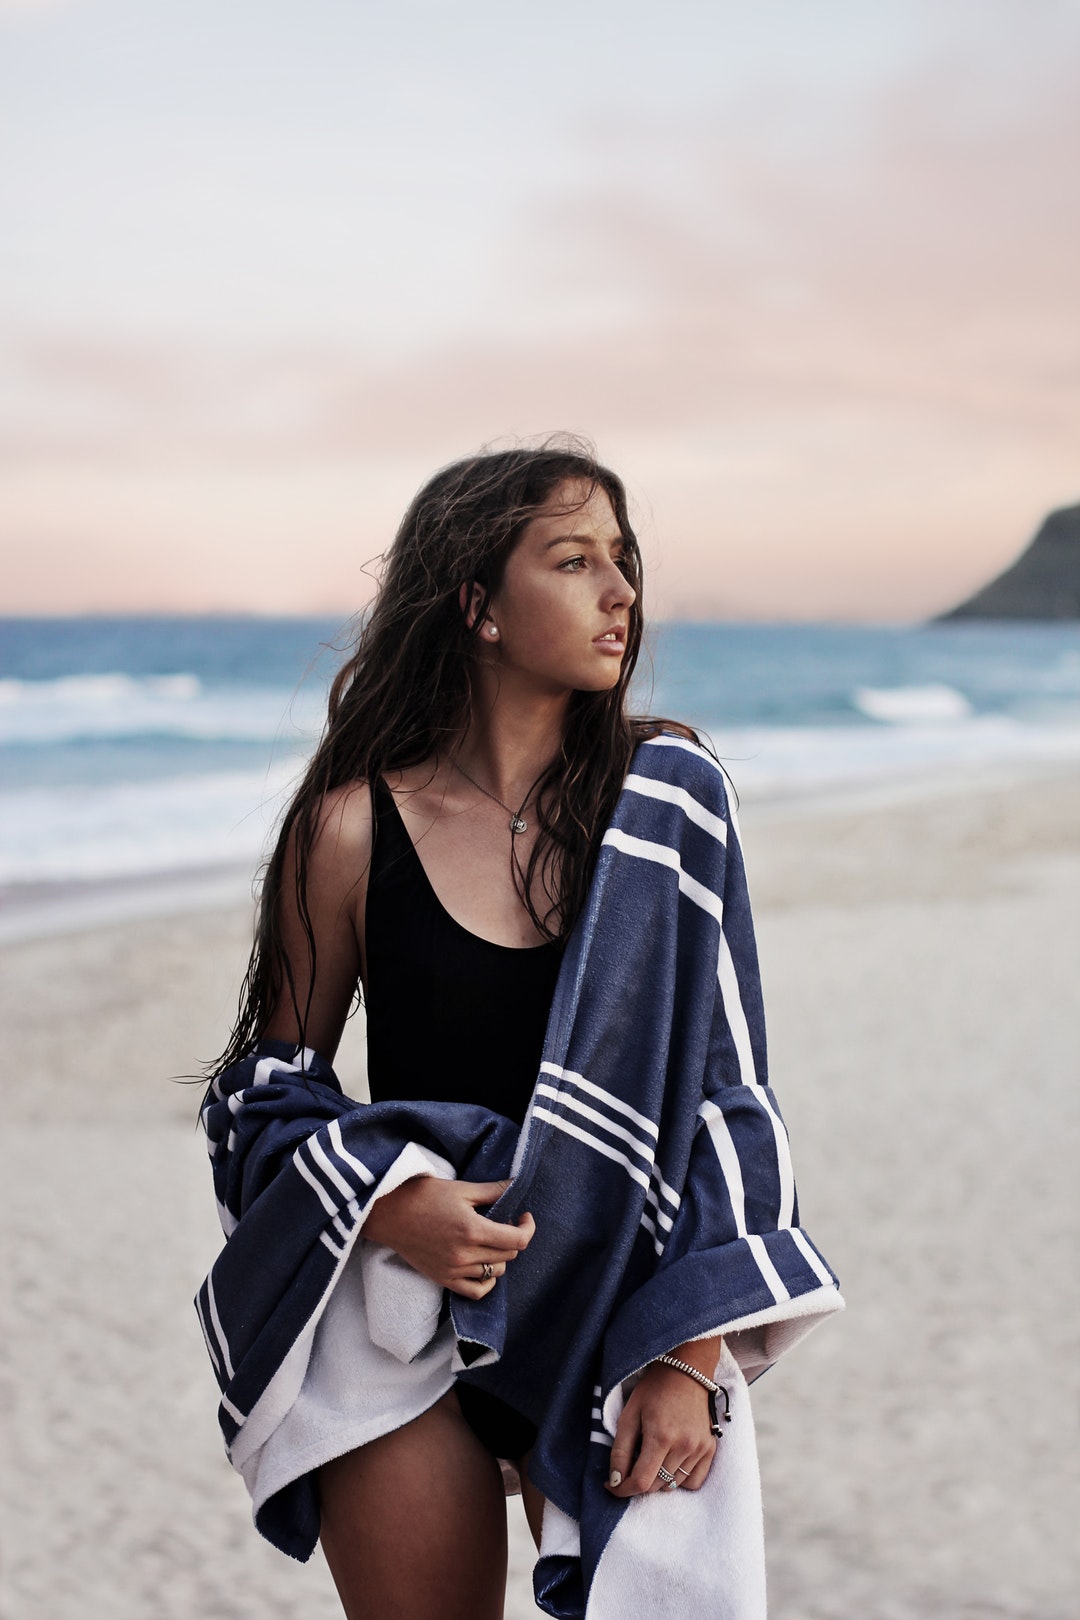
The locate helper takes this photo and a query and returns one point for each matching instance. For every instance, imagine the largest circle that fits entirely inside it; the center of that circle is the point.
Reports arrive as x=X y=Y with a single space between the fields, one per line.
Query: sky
x=807 y=275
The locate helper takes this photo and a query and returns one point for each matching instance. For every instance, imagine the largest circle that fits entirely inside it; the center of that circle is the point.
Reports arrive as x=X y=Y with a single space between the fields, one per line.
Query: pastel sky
x=807 y=274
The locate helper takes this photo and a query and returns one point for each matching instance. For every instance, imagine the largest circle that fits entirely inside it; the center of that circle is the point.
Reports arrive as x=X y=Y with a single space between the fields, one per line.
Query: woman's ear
x=471 y=599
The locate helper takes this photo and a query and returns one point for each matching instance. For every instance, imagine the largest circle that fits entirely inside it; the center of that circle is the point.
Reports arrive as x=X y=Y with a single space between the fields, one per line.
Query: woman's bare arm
x=335 y=890
x=434 y=1225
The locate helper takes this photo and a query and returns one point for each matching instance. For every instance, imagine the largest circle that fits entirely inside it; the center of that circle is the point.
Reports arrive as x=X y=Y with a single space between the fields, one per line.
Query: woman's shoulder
x=674 y=753
x=342 y=828
x=343 y=825
x=675 y=747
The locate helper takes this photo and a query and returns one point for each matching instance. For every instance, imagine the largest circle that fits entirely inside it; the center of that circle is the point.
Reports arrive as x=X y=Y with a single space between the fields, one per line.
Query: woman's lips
x=612 y=641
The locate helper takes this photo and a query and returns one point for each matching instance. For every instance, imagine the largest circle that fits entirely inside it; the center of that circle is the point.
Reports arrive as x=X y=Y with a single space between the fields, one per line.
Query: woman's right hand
x=436 y=1226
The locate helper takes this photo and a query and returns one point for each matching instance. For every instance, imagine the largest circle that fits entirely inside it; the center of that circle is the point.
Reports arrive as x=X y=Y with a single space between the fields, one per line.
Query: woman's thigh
x=532 y=1501
x=414 y=1523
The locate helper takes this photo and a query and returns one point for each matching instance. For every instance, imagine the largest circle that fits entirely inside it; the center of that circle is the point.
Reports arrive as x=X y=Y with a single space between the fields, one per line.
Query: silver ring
x=686 y=1471
x=487 y=1271
x=669 y=1479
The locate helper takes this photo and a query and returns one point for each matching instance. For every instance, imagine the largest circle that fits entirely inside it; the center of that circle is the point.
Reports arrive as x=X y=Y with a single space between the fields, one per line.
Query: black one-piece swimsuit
x=451 y=1017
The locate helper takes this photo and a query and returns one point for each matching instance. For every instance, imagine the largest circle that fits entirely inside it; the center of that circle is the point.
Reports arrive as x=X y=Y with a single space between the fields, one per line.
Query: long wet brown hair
x=404 y=696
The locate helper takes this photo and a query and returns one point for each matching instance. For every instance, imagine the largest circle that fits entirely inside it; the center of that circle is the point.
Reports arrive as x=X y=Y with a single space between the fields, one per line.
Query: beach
x=920 y=959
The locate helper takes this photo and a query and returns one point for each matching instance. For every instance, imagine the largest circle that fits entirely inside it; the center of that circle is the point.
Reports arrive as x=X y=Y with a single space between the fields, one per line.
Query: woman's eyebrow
x=583 y=540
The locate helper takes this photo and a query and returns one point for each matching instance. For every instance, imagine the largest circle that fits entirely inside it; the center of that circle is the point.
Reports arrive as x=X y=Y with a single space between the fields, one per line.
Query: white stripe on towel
x=786 y=1212
x=729 y=1161
x=334 y=1132
x=821 y=1272
x=736 y=1017
x=334 y=1176
x=591 y=1141
x=651 y=1229
x=663 y=855
x=223 y=1343
x=696 y=812
x=772 y=1277
x=214 y=1357
x=309 y=1176
x=597 y=1118
x=670 y=1195
x=234 y=1411
x=665 y=1220
x=601 y=1095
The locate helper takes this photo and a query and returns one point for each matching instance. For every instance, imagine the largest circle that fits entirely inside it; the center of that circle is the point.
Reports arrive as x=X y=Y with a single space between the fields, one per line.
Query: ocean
x=137 y=749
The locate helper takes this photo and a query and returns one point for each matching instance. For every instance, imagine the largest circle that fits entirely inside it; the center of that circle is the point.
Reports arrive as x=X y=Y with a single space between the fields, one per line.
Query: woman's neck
x=511 y=744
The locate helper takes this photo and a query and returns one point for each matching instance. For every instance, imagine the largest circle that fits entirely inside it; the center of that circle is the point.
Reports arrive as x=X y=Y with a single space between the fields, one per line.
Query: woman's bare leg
x=532 y=1500
x=414 y=1523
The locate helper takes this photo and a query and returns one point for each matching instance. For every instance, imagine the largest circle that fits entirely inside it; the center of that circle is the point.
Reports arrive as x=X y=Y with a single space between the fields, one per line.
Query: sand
x=921 y=965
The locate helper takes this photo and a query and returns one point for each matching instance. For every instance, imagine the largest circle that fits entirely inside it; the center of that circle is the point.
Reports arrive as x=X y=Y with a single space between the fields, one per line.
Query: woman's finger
x=500 y=1257
x=480 y=1266
x=625 y=1444
x=483 y=1193
x=481 y=1271
x=499 y=1235
x=471 y=1288
x=693 y=1471
x=490 y=1268
x=676 y=1468
x=699 y=1473
x=636 y=1454
x=644 y=1476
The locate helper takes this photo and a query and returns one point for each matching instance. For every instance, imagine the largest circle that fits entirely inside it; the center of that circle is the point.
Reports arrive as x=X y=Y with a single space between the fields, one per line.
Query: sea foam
x=118 y=706
x=127 y=829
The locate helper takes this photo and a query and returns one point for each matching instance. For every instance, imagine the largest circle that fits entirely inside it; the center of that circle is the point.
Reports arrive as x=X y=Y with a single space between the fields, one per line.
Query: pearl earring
x=493 y=630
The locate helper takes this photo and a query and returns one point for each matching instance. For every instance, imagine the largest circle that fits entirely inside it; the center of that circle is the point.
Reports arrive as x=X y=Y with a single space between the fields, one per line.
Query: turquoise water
x=132 y=746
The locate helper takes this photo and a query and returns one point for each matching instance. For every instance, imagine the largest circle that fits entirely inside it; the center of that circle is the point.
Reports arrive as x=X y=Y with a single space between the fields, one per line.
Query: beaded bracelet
x=706 y=1383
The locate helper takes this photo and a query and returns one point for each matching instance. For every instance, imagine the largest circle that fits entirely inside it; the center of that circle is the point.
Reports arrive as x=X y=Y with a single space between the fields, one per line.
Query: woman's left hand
x=664 y=1424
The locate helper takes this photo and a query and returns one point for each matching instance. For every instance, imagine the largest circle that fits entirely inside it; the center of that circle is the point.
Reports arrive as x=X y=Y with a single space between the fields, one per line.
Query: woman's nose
x=619 y=592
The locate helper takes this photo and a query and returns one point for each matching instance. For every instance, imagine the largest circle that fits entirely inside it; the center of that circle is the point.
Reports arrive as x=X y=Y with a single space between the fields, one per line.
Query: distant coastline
x=1042 y=584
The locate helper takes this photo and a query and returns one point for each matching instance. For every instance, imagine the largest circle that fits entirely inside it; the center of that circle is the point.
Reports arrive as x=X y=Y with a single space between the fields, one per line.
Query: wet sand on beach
x=921 y=965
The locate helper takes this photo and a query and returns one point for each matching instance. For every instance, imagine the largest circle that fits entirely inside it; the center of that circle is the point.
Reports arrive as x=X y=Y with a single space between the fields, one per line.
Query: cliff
x=1043 y=582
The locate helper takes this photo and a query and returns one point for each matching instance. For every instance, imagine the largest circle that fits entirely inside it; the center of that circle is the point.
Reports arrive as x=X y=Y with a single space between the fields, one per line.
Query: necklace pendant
x=517 y=825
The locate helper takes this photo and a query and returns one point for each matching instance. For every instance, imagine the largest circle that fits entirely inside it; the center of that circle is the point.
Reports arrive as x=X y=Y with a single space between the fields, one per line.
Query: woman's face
x=562 y=611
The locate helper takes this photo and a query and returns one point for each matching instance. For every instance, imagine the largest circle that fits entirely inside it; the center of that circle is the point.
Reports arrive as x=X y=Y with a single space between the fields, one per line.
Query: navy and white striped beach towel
x=656 y=1164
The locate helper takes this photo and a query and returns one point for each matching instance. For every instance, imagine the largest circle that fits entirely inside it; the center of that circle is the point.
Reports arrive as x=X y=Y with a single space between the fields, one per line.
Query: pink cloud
x=848 y=386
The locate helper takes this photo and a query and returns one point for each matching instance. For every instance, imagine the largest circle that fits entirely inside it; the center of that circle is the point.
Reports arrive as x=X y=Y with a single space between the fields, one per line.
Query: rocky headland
x=1043 y=582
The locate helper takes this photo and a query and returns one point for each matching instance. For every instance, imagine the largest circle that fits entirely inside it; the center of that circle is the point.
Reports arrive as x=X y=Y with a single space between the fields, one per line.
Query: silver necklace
x=517 y=822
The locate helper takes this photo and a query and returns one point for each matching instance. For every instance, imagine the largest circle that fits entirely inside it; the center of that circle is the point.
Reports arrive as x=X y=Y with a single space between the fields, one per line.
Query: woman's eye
x=573 y=565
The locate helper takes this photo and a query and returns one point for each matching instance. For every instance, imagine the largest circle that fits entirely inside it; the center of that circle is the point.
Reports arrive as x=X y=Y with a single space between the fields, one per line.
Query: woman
x=439 y=853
